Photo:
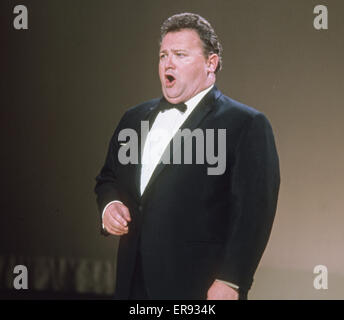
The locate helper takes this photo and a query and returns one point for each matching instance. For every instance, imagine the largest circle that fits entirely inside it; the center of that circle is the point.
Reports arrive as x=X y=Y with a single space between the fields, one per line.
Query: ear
x=212 y=62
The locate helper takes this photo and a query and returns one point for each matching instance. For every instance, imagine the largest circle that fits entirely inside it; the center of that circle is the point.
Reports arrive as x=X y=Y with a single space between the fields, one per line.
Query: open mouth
x=169 y=80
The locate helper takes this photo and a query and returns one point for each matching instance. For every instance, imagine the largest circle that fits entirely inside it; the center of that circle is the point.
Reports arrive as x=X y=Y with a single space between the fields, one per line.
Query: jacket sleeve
x=107 y=187
x=254 y=186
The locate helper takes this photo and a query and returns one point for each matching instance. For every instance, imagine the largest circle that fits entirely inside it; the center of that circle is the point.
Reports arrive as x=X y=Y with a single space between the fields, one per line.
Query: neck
x=210 y=81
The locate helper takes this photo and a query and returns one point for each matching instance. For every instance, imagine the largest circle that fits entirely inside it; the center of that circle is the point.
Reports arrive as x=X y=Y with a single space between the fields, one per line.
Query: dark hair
x=211 y=43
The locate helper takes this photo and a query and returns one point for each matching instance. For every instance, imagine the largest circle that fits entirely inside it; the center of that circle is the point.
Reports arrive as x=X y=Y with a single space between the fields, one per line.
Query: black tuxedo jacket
x=190 y=227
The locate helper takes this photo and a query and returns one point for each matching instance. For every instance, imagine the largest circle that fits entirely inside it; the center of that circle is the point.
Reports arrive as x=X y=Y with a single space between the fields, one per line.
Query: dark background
x=67 y=80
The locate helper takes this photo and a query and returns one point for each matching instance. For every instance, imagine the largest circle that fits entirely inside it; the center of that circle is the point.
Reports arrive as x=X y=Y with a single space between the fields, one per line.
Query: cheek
x=194 y=69
x=161 y=73
x=194 y=74
x=188 y=71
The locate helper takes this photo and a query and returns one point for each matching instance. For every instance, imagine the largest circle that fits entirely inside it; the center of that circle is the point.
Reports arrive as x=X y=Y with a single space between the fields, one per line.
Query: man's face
x=182 y=67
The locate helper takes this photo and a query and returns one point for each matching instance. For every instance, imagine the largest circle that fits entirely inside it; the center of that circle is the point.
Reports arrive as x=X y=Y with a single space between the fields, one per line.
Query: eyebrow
x=173 y=50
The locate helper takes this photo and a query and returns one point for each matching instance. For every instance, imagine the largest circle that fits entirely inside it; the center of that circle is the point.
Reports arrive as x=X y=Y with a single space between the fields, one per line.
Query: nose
x=169 y=62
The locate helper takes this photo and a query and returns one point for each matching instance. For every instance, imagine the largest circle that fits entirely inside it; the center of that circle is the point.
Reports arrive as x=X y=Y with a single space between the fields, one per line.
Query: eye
x=162 y=56
x=180 y=54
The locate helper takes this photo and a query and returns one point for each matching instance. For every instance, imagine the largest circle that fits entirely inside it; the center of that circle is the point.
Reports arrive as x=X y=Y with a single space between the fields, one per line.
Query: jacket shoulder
x=143 y=107
x=231 y=105
x=232 y=113
x=137 y=112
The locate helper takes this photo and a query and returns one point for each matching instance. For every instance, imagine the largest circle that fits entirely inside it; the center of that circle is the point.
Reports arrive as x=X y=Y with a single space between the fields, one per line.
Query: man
x=185 y=233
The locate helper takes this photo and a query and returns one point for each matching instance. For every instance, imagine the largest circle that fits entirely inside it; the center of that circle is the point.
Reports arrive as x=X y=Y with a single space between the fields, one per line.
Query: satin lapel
x=194 y=119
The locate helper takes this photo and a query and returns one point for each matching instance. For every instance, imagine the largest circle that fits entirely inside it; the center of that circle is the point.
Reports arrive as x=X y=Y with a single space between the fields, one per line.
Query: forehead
x=182 y=39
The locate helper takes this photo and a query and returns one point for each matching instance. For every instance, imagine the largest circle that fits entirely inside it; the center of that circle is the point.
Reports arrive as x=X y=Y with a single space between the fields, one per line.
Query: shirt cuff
x=232 y=285
x=106 y=208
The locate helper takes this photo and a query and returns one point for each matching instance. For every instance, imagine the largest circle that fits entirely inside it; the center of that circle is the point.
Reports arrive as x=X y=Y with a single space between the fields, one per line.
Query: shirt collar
x=193 y=102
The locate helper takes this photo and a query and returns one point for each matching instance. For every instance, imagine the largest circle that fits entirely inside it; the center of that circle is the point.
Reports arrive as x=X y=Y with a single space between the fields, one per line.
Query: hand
x=221 y=291
x=116 y=218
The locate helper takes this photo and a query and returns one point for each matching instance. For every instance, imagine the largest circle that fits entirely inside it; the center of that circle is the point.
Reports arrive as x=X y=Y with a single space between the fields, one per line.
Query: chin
x=170 y=94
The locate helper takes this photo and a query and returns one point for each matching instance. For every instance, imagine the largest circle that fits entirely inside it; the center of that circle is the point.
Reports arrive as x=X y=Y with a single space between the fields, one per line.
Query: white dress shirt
x=162 y=131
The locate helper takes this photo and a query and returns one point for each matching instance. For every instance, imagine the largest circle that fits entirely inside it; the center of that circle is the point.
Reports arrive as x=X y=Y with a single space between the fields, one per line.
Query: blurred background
x=67 y=80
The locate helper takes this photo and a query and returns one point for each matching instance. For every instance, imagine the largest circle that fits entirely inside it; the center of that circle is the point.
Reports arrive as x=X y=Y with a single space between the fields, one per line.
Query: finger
x=120 y=219
x=121 y=213
x=114 y=230
x=119 y=225
x=115 y=223
x=111 y=231
x=125 y=213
